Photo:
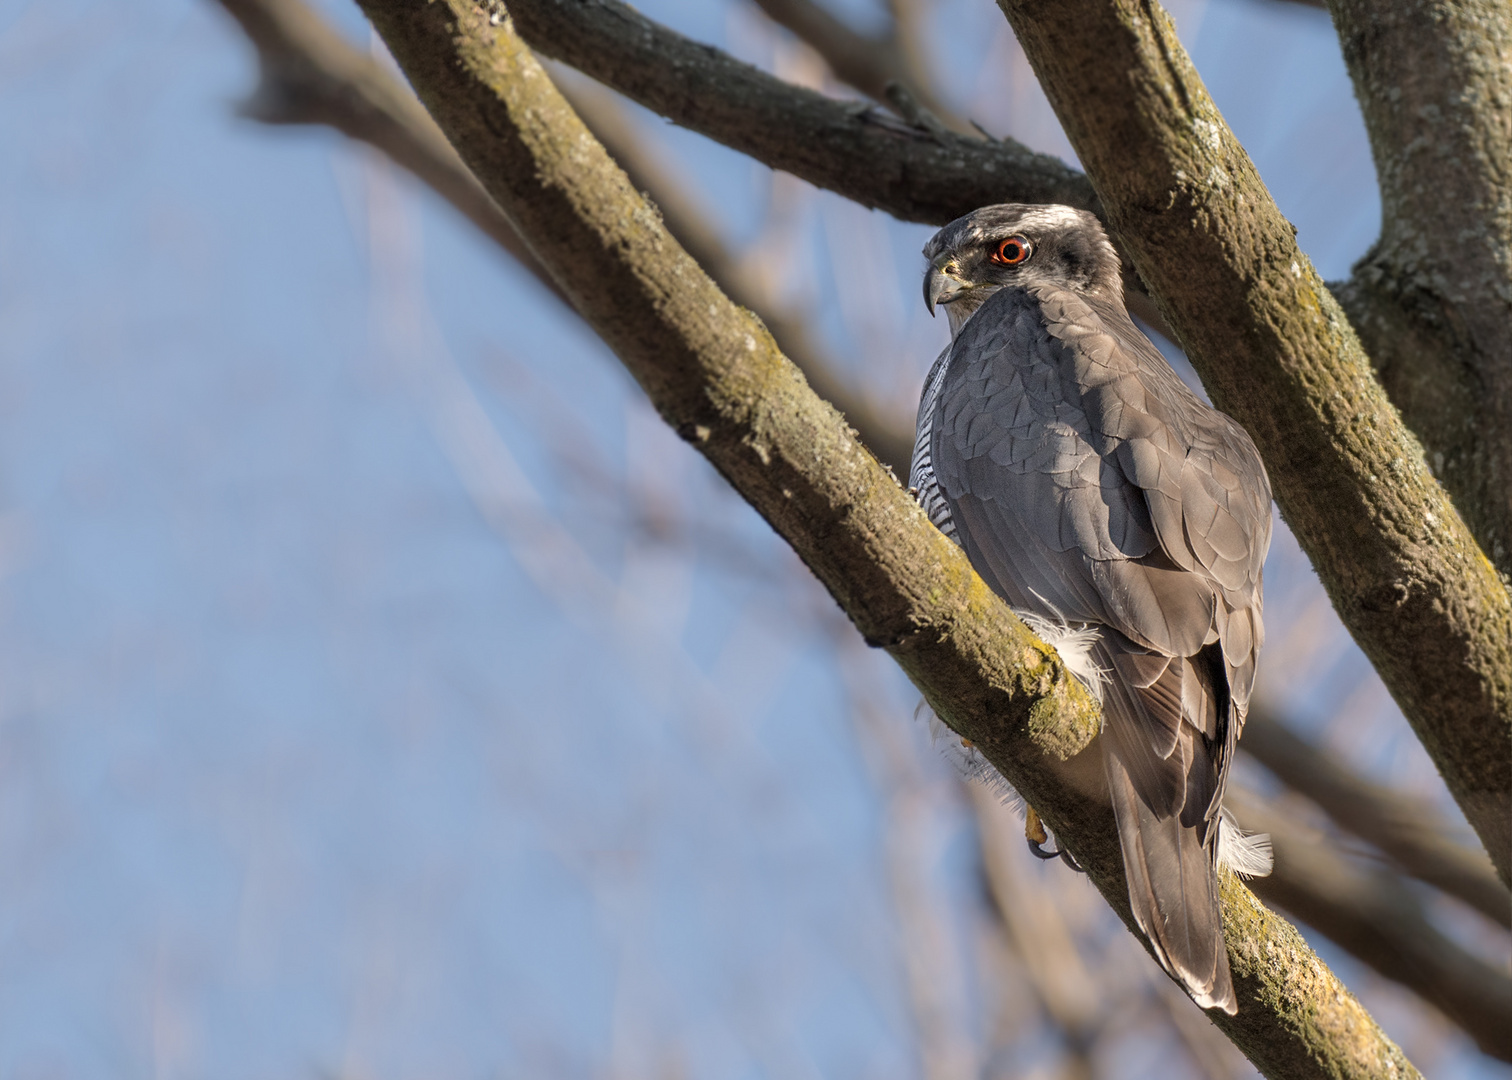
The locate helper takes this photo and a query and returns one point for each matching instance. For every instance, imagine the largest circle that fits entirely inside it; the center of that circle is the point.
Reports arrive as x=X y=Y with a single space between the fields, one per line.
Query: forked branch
x=715 y=375
x=1276 y=352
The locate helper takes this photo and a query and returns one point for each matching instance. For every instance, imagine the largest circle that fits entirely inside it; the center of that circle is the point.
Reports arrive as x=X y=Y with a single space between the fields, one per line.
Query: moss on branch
x=715 y=375
x=1276 y=352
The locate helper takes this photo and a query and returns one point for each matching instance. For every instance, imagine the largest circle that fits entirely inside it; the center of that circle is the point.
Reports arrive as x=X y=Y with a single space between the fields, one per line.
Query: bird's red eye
x=1011 y=251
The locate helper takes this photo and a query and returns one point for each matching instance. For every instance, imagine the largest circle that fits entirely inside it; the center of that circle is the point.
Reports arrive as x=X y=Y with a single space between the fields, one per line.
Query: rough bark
x=310 y=75
x=857 y=151
x=715 y=375
x=1373 y=916
x=1276 y=352
x=1433 y=298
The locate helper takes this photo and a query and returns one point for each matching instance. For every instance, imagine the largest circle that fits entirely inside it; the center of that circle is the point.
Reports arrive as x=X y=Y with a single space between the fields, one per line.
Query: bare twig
x=935 y=983
x=1275 y=351
x=1373 y=916
x=869 y=63
x=1413 y=833
x=1040 y=937
x=716 y=377
x=310 y=75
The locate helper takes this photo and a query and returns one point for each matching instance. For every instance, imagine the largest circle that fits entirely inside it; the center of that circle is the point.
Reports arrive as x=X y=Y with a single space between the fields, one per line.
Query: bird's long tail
x=1173 y=890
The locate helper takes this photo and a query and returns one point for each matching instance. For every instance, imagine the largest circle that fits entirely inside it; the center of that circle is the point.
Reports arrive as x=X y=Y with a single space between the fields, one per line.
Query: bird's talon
x=1037 y=837
x=1034 y=829
x=1034 y=833
x=1041 y=853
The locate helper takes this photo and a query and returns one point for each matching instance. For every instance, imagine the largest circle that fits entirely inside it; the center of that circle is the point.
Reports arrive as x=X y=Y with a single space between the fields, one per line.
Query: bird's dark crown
x=1068 y=248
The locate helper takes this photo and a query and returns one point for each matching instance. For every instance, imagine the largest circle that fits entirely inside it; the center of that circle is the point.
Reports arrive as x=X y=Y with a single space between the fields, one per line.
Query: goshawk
x=1126 y=519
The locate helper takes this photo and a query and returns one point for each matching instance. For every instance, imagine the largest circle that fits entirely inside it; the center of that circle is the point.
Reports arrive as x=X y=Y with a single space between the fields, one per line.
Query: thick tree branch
x=1433 y=298
x=1276 y=352
x=1413 y=833
x=715 y=375
x=311 y=75
x=1378 y=920
x=868 y=156
x=917 y=176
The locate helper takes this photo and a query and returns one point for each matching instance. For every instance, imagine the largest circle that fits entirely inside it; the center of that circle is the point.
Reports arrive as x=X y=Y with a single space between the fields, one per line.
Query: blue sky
x=385 y=693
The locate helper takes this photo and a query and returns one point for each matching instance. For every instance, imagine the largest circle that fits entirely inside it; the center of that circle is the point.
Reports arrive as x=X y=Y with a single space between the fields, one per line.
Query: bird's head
x=1013 y=245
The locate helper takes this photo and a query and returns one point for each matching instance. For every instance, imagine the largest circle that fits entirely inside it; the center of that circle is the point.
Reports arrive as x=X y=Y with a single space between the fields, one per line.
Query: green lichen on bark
x=1432 y=299
x=715 y=375
x=1275 y=350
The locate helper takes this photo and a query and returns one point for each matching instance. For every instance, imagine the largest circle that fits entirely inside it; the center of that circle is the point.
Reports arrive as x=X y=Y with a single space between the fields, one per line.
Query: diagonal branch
x=1413 y=833
x=869 y=63
x=1434 y=294
x=1276 y=352
x=865 y=155
x=311 y=75
x=1372 y=915
x=715 y=375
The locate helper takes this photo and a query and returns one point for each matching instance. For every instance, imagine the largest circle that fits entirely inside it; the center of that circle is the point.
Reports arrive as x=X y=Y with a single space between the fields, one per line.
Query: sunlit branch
x=1375 y=917
x=716 y=377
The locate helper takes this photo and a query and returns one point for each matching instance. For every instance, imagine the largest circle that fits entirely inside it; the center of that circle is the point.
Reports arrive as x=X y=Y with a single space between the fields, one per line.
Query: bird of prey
x=1126 y=520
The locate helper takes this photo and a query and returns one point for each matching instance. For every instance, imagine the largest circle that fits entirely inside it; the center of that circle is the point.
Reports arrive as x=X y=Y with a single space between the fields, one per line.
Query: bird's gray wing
x=1087 y=483
x=1044 y=505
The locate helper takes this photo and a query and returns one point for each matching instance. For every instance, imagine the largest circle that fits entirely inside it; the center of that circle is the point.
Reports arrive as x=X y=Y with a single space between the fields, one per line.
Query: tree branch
x=1433 y=297
x=917 y=176
x=868 y=63
x=311 y=75
x=1413 y=833
x=1276 y=352
x=715 y=375
x=865 y=155
x=1378 y=920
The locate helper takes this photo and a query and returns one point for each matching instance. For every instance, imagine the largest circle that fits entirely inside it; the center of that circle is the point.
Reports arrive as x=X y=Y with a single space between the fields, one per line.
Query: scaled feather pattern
x=1126 y=521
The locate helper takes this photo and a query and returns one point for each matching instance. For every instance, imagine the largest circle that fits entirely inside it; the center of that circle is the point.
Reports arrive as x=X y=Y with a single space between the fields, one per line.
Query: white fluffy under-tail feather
x=1074 y=644
x=1246 y=854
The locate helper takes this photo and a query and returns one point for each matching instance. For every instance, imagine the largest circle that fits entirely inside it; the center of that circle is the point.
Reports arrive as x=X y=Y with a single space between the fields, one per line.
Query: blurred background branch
x=1413 y=833
x=1374 y=915
x=311 y=75
x=869 y=62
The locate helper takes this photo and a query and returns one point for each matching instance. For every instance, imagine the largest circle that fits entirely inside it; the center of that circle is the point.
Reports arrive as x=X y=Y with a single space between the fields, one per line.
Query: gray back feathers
x=1088 y=484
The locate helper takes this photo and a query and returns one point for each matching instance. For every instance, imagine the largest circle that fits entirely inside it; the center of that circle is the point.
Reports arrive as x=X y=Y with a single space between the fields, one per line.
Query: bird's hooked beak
x=941 y=286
